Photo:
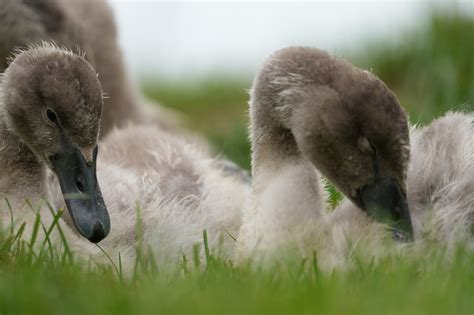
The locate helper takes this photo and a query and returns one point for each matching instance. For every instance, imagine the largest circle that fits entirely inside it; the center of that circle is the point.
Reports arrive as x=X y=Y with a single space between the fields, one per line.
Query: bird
x=315 y=118
x=51 y=104
x=140 y=185
x=88 y=28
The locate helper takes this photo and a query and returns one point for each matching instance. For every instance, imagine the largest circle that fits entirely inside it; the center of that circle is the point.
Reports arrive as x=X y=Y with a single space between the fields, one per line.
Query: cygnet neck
x=21 y=172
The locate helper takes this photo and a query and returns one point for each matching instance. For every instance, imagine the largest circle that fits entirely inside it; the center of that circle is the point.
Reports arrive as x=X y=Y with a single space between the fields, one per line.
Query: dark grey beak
x=385 y=202
x=81 y=191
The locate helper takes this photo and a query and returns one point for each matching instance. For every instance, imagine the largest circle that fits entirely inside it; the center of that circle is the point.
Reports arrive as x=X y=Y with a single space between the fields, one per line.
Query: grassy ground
x=51 y=282
x=431 y=70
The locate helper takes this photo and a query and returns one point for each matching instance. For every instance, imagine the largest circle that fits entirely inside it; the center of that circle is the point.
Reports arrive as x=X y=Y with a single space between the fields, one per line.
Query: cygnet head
x=52 y=102
x=346 y=122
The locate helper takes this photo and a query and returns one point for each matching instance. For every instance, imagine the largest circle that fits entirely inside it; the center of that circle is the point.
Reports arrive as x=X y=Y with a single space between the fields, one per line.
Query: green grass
x=431 y=70
x=35 y=283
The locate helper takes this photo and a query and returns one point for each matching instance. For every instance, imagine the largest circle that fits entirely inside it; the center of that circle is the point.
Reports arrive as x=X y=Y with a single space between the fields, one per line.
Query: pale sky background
x=187 y=40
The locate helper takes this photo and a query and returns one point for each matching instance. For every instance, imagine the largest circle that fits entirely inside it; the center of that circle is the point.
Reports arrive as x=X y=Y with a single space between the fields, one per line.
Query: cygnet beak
x=81 y=191
x=384 y=201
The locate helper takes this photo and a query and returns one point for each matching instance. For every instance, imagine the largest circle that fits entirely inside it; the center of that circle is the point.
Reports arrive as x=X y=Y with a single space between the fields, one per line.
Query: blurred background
x=200 y=58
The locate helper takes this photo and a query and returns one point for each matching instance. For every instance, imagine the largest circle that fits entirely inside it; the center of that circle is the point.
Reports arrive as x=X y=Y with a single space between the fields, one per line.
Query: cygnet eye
x=51 y=116
x=365 y=146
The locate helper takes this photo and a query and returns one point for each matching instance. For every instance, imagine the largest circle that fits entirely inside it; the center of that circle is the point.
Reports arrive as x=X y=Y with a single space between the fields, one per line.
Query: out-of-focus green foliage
x=432 y=69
